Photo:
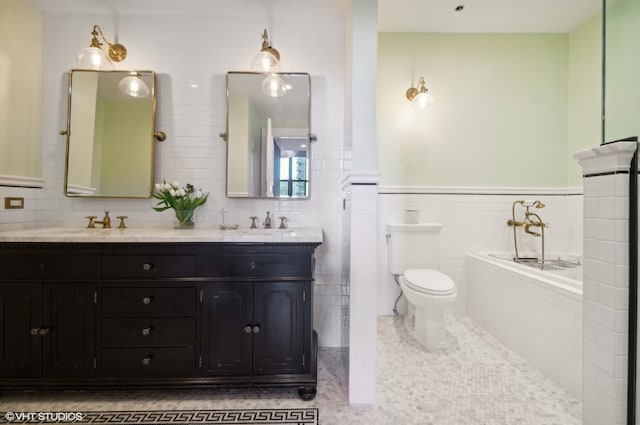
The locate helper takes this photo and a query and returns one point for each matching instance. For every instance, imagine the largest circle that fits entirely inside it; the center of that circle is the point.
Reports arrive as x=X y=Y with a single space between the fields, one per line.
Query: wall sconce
x=268 y=60
x=134 y=86
x=94 y=57
x=419 y=95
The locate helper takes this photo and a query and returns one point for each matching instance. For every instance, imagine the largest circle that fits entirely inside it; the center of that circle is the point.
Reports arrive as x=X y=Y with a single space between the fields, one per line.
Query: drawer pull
x=147 y=300
x=148 y=267
x=146 y=361
x=253 y=265
x=146 y=331
x=43 y=266
x=247 y=329
x=34 y=331
x=256 y=329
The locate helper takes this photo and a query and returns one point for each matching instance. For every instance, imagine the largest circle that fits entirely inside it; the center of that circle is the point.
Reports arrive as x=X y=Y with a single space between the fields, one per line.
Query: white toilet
x=413 y=258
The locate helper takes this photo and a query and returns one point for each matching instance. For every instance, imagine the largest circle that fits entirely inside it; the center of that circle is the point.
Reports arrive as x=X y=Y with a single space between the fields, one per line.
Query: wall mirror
x=110 y=134
x=268 y=138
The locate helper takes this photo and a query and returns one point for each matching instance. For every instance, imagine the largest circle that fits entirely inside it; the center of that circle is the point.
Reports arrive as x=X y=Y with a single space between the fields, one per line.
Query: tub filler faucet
x=531 y=220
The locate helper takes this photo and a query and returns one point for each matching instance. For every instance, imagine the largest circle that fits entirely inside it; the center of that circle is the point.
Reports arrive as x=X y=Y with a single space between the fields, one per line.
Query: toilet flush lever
x=387 y=237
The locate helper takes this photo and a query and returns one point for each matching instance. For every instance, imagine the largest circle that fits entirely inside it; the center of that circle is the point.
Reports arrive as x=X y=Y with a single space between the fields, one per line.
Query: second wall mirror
x=110 y=134
x=268 y=138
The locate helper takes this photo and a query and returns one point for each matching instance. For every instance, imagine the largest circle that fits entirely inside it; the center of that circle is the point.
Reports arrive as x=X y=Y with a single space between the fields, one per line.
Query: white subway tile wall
x=191 y=53
x=362 y=292
x=606 y=297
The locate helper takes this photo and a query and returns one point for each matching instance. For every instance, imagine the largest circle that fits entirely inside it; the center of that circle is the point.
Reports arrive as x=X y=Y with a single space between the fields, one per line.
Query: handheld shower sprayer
x=527 y=203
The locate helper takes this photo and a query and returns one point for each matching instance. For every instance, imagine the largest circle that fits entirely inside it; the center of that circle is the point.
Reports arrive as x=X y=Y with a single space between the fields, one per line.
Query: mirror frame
x=160 y=136
x=311 y=137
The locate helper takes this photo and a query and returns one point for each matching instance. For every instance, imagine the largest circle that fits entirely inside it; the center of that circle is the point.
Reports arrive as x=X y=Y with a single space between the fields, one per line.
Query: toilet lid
x=429 y=281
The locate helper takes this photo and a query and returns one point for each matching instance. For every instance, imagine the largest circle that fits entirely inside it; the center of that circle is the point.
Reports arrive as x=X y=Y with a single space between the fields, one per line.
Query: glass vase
x=184 y=219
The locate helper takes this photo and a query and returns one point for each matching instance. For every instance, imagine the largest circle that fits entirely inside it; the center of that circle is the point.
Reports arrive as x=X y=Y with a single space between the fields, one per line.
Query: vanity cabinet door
x=69 y=330
x=254 y=328
x=47 y=330
x=20 y=313
x=227 y=328
x=278 y=347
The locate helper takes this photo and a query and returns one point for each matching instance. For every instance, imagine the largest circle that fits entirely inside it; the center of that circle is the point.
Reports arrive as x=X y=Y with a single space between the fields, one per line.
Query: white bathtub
x=536 y=313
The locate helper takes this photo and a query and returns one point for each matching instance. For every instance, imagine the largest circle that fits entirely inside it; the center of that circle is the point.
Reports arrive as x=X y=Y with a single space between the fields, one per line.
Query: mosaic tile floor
x=477 y=381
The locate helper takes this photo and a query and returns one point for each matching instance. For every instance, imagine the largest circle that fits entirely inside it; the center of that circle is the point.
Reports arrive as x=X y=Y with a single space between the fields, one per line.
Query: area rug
x=304 y=416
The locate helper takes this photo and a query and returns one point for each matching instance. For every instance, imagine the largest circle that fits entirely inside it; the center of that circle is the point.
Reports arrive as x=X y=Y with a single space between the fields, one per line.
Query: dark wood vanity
x=171 y=314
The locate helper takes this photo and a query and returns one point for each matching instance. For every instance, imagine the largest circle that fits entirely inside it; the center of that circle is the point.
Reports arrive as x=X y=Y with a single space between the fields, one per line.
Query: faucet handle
x=253 y=222
x=283 y=222
x=122 y=225
x=91 y=224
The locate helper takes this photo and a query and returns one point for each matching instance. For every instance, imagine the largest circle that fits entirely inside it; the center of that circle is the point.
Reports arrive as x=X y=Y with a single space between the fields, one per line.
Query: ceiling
x=527 y=16
x=510 y=16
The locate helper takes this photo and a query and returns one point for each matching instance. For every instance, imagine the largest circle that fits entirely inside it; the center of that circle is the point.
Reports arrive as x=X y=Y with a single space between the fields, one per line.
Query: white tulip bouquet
x=182 y=199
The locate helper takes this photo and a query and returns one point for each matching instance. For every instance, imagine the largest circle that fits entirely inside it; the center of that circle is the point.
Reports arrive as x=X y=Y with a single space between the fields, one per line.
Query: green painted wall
x=501 y=112
x=585 y=93
x=622 y=99
x=20 y=89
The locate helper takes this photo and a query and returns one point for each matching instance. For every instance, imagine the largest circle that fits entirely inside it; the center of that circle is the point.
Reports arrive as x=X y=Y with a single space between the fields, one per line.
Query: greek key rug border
x=301 y=416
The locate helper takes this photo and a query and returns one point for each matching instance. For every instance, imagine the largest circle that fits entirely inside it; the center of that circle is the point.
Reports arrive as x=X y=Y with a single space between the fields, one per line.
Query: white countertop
x=114 y=235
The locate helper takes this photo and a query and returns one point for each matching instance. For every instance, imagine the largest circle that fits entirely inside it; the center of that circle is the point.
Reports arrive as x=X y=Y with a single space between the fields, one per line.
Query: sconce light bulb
x=273 y=86
x=133 y=86
x=94 y=58
x=422 y=100
x=265 y=62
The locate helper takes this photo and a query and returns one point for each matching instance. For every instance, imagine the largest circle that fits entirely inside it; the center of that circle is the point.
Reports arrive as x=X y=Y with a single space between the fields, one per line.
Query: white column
x=361 y=195
x=605 y=281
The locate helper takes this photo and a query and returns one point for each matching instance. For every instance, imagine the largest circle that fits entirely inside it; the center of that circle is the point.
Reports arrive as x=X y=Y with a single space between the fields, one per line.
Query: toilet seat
x=429 y=281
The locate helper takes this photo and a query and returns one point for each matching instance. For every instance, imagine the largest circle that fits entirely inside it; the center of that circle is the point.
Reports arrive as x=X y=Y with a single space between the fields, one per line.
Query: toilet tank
x=412 y=246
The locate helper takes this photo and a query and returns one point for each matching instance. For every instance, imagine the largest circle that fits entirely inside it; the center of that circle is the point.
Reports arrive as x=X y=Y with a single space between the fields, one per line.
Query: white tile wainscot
x=362 y=278
x=606 y=281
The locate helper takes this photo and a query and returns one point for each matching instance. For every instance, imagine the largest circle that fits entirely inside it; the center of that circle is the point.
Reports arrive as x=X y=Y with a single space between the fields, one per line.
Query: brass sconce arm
x=117 y=52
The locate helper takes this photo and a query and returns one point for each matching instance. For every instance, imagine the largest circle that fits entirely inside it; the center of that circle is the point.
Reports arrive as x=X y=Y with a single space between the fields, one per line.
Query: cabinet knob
x=146 y=361
x=43 y=266
x=253 y=265
x=147 y=267
x=43 y=331
x=146 y=331
x=247 y=329
x=147 y=300
x=256 y=329
x=34 y=331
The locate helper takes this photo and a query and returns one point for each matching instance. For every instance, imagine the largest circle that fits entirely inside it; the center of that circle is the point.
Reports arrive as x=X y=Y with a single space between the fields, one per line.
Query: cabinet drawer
x=49 y=266
x=147 y=362
x=143 y=331
x=257 y=265
x=149 y=300
x=148 y=266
